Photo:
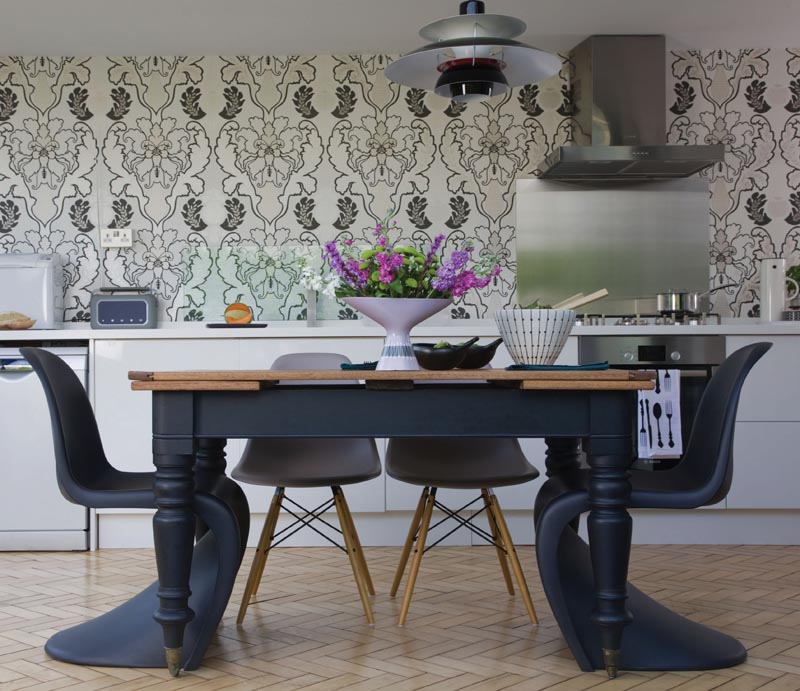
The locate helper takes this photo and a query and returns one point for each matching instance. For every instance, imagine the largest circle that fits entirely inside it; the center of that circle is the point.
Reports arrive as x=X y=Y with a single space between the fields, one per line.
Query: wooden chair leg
x=516 y=567
x=498 y=543
x=409 y=543
x=420 y=549
x=351 y=553
x=362 y=562
x=262 y=551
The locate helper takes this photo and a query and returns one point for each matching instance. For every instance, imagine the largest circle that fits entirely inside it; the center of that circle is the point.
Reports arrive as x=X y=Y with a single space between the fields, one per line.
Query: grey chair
x=479 y=464
x=296 y=463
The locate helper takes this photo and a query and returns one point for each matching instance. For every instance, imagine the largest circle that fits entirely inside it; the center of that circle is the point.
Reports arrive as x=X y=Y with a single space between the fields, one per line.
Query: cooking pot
x=687 y=302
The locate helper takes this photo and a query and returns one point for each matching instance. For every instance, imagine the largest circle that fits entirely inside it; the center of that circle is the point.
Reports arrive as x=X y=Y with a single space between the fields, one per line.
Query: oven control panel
x=653 y=351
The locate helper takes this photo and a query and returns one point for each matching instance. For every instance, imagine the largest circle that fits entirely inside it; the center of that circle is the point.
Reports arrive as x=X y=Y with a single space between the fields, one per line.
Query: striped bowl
x=534 y=337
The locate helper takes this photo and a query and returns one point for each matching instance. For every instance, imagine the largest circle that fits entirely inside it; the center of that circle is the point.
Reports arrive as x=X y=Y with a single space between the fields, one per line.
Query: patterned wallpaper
x=750 y=101
x=217 y=164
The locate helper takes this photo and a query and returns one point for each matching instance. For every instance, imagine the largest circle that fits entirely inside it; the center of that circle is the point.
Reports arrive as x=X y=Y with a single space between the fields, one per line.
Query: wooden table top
x=255 y=380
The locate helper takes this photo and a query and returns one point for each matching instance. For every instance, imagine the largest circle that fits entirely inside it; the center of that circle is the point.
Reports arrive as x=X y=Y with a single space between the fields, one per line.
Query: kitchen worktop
x=363 y=329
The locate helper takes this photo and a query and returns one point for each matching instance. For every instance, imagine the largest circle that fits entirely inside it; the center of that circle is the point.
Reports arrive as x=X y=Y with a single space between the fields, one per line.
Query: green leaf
x=412 y=282
x=375 y=276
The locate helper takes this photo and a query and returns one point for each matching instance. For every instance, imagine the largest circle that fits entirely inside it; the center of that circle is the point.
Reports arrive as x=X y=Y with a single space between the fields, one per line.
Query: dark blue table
x=198 y=412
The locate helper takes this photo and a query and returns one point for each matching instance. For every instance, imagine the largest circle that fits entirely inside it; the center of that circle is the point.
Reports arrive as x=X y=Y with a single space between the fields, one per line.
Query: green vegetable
x=442 y=344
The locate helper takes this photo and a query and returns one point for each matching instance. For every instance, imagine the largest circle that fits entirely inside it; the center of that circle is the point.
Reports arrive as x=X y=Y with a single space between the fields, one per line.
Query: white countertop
x=363 y=329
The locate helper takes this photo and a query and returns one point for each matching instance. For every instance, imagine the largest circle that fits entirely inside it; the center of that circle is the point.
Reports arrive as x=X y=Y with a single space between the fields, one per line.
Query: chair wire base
x=499 y=537
x=306 y=518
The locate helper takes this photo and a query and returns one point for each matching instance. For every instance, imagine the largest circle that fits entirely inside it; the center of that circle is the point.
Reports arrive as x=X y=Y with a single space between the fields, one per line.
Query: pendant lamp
x=472 y=57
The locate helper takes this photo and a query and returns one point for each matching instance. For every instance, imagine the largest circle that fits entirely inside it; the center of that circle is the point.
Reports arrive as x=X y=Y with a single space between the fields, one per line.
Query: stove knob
x=675 y=355
x=628 y=356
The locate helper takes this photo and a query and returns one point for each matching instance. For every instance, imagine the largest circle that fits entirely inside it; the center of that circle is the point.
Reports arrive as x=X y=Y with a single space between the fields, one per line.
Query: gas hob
x=674 y=319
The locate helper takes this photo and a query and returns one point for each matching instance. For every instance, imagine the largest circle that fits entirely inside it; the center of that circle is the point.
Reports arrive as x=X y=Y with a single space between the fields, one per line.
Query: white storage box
x=33 y=284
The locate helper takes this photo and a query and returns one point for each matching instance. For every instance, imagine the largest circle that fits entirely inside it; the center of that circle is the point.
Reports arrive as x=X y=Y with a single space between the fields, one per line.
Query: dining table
x=578 y=413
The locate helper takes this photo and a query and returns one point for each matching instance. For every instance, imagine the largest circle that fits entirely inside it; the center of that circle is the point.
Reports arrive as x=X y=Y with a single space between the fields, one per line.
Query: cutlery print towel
x=659 y=417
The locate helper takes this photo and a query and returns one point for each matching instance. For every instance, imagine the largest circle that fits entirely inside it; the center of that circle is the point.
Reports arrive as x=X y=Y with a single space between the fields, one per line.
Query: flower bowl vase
x=398 y=316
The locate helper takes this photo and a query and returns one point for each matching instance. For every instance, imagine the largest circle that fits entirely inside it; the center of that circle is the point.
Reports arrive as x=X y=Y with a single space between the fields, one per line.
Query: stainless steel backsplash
x=635 y=239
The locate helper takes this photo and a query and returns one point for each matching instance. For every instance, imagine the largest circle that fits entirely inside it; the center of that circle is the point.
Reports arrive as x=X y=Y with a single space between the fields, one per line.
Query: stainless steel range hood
x=619 y=86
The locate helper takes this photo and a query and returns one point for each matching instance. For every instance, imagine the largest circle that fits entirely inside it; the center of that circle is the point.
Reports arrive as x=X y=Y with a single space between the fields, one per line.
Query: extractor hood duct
x=619 y=86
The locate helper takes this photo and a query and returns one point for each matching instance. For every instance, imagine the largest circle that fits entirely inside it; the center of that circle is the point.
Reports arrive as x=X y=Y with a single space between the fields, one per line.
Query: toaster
x=123 y=308
x=33 y=284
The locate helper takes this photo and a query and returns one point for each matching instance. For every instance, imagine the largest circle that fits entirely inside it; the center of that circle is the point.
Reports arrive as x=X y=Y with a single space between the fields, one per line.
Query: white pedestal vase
x=398 y=316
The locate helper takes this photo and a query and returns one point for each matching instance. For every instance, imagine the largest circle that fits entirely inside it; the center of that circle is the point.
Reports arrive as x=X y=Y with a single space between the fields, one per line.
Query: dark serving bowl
x=478 y=356
x=430 y=357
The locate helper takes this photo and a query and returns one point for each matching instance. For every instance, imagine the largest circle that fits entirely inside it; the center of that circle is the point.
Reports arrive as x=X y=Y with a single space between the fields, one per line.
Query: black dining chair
x=128 y=636
x=656 y=638
x=472 y=464
x=299 y=463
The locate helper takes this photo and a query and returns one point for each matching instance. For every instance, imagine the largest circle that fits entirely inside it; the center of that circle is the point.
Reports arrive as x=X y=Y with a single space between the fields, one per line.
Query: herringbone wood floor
x=464 y=631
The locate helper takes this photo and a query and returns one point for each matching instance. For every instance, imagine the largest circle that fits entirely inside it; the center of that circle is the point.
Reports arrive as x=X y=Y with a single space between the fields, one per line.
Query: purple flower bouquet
x=398 y=271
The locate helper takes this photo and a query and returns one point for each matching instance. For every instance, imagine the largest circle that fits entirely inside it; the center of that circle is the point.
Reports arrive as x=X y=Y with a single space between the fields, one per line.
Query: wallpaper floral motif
x=218 y=164
x=748 y=100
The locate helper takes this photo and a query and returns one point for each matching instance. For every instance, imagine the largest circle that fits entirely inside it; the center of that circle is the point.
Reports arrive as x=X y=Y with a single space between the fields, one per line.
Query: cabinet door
x=124 y=416
x=30 y=499
x=766 y=466
x=260 y=354
x=770 y=392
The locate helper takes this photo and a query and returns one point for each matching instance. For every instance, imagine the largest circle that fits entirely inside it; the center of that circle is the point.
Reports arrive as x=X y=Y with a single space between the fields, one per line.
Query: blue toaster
x=124 y=308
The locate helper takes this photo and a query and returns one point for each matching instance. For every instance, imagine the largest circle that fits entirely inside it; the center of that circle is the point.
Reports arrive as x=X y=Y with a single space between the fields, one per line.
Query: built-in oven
x=694 y=358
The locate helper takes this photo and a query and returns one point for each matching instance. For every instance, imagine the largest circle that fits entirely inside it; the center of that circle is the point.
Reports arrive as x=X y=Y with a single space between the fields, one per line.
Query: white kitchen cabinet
x=770 y=392
x=260 y=353
x=766 y=466
x=124 y=416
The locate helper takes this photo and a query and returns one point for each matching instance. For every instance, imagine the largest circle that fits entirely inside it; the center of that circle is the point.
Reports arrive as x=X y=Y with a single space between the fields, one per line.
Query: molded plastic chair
x=128 y=636
x=450 y=463
x=283 y=463
x=656 y=638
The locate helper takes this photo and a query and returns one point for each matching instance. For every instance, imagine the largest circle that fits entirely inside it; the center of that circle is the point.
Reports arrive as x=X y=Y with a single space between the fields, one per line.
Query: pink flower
x=388 y=263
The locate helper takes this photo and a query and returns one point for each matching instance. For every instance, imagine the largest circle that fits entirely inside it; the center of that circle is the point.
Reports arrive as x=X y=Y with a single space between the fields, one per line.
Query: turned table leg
x=174 y=520
x=563 y=455
x=610 y=527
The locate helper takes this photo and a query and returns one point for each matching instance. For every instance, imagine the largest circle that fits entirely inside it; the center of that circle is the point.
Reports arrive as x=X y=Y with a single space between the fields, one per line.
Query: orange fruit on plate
x=238 y=313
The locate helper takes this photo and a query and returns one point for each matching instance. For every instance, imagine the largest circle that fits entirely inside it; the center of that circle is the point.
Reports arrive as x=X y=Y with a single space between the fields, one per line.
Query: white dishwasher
x=33 y=513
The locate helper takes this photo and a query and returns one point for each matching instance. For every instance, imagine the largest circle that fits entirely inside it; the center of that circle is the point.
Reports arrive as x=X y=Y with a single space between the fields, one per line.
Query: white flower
x=329 y=290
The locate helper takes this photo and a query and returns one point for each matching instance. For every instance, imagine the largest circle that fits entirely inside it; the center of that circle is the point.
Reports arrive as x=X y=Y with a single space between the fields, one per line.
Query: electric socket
x=116 y=237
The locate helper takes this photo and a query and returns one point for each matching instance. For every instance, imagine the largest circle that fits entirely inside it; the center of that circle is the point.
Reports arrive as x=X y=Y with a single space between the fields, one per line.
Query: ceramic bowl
x=534 y=336
x=480 y=355
x=449 y=357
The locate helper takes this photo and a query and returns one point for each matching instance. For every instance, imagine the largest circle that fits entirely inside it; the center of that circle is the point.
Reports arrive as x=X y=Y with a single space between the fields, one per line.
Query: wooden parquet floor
x=463 y=632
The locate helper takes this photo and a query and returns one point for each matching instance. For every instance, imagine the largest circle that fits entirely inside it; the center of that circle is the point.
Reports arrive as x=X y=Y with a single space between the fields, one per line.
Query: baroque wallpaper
x=748 y=100
x=219 y=164
x=227 y=168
